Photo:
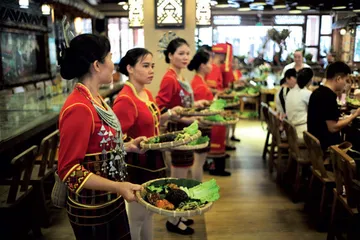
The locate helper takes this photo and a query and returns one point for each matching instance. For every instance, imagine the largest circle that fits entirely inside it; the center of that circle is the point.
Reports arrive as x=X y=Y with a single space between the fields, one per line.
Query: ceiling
x=323 y=5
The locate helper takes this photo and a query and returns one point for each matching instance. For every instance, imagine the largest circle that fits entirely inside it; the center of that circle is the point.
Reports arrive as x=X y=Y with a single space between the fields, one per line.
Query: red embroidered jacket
x=79 y=125
x=137 y=117
x=169 y=95
x=214 y=79
x=201 y=90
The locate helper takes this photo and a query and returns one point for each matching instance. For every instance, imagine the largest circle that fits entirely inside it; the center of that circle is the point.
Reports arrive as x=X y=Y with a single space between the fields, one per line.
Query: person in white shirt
x=298 y=63
x=288 y=82
x=297 y=102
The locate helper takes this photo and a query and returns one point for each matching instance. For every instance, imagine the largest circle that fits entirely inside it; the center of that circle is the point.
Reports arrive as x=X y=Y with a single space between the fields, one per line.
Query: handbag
x=59 y=192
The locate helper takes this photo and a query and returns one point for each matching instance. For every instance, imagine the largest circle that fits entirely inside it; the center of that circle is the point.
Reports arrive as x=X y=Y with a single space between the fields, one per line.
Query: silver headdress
x=68 y=34
x=165 y=40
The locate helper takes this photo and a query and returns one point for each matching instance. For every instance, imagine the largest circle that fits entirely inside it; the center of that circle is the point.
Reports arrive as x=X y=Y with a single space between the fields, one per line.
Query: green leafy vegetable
x=215 y=118
x=155 y=189
x=204 y=192
x=154 y=140
x=200 y=140
x=192 y=129
x=218 y=105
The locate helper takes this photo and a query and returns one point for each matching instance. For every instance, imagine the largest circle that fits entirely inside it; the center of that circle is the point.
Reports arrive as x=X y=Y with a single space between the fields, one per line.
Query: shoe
x=230 y=148
x=175 y=229
x=235 y=139
x=188 y=222
x=220 y=173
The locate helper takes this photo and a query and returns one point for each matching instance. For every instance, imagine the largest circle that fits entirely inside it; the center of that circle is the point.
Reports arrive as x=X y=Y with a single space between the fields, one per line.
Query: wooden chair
x=43 y=173
x=344 y=197
x=280 y=154
x=17 y=199
x=324 y=177
x=298 y=155
x=265 y=113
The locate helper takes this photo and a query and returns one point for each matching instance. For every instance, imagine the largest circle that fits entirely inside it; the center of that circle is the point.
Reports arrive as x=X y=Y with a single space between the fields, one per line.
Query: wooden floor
x=251 y=205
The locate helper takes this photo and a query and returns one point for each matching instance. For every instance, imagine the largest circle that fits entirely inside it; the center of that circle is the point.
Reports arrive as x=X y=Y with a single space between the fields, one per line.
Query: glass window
x=325 y=45
x=289 y=19
x=126 y=36
x=227 y=20
x=114 y=38
x=326 y=23
x=251 y=44
x=313 y=52
x=204 y=34
x=357 y=45
x=312 y=30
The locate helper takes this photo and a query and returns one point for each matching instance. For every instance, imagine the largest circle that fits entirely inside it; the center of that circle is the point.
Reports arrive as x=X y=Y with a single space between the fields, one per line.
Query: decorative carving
x=203 y=13
x=136 y=13
x=13 y=16
x=169 y=13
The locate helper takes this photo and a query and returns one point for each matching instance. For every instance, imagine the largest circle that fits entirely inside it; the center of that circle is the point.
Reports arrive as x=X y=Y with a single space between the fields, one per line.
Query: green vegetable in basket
x=192 y=129
x=155 y=189
x=200 y=140
x=154 y=140
x=215 y=118
x=218 y=105
x=252 y=91
x=204 y=192
x=189 y=205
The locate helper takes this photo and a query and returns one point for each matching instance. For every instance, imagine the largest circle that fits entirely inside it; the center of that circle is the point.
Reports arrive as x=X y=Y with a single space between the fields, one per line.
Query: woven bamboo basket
x=171 y=213
x=226 y=123
x=168 y=145
x=226 y=96
x=191 y=147
x=232 y=104
x=204 y=113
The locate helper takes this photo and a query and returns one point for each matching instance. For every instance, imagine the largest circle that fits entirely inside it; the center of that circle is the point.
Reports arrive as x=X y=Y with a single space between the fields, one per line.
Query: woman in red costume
x=201 y=63
x=91 y=152
x=139 y=115
x=176 y=91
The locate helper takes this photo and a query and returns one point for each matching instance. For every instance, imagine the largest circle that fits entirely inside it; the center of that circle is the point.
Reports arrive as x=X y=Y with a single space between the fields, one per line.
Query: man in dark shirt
x=323 y=113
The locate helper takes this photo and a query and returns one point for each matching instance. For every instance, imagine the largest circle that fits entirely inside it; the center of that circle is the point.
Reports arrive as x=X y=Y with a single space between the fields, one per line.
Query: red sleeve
x=203 y=93
x=166 y=93
x=220 y=81
x=126 y=111
x=76 y=125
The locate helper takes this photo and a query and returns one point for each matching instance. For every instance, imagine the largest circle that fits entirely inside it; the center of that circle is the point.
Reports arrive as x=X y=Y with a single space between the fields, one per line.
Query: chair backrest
x=22 y=166
x=265 y=111
x=48 y=148
x=275 y=125
x=345 y=170
x=315 y=153
x=292 y=138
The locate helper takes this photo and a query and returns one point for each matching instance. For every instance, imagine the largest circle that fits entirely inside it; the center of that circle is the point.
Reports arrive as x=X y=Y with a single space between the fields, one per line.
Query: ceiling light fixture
x=244 y=7
x=213 y=2
x=338 y=5
x=293 y=10
x=122 y=2
x=45 y=9
x=258 y=3
x=279 y=4
x=24 y=3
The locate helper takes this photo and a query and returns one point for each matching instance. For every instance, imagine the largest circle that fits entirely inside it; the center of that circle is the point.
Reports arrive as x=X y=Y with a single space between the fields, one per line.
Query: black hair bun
x=72 y=65
x=123 y=66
